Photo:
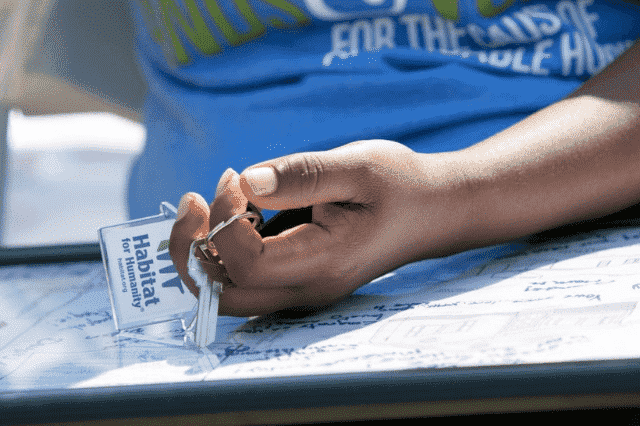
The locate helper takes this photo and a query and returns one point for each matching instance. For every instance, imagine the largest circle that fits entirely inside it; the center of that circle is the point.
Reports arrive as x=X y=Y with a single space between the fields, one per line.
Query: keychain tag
x=144 y=286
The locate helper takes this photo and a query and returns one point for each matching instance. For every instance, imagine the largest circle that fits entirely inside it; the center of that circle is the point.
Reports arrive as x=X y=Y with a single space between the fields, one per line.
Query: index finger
x=192 y=222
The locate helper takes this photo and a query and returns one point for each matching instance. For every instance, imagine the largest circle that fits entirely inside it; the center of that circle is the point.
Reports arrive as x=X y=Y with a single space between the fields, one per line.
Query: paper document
x=568 y=300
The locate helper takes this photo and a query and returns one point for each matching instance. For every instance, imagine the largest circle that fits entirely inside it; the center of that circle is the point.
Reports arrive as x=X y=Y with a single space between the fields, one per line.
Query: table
x=535 y=324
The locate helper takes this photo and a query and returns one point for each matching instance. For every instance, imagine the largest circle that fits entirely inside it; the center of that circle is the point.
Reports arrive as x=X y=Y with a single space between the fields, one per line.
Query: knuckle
x=338 y=275
x=301 y=173
x=243 y=274
x=344 y=275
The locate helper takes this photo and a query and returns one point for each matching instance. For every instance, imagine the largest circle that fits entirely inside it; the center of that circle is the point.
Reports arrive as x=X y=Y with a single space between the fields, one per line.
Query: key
x=210 y=289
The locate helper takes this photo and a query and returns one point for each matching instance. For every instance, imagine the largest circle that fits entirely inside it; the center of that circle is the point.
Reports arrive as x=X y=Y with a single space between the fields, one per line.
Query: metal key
x=210 y=289
x=206 y=319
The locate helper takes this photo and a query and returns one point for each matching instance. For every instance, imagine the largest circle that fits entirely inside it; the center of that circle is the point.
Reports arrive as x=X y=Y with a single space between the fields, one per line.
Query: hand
x=376 y=206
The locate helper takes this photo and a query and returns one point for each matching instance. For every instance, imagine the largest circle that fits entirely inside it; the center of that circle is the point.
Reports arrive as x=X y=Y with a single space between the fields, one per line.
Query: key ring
x=246 y=215
x=252 y=213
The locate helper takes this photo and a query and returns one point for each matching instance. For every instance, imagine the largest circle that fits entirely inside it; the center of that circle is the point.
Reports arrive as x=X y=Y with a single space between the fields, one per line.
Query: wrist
x=448 y=204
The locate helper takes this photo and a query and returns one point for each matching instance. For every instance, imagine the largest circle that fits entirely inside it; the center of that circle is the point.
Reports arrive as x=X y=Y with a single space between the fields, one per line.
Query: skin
x=378 y=205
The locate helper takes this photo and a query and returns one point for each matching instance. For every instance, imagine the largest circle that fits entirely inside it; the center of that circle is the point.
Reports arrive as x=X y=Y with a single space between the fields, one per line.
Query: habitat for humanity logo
x=141 y=269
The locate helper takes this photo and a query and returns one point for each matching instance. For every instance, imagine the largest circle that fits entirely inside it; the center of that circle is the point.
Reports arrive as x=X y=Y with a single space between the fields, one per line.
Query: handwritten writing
x=586 y=296
x=82 y=320
x=333 y=320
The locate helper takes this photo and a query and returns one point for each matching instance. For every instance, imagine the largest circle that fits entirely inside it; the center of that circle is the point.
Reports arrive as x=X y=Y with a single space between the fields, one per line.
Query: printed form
x=571 y=299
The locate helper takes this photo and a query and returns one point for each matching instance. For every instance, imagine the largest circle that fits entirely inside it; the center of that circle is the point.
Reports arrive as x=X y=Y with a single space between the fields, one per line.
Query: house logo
x=168 y=272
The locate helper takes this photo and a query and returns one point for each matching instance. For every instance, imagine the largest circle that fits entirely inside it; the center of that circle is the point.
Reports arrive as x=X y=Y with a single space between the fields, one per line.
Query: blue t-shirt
x=232 y=83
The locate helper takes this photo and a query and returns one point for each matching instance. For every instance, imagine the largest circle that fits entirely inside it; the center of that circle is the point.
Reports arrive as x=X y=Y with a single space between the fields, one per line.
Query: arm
x=378 y=205
x=577 y=159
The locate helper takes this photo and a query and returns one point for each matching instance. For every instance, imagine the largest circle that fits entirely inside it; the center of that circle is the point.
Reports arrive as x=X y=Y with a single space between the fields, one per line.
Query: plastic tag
x=144 y=286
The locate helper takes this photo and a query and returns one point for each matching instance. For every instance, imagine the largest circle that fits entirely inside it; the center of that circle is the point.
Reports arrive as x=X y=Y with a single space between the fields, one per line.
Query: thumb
x=301 y=180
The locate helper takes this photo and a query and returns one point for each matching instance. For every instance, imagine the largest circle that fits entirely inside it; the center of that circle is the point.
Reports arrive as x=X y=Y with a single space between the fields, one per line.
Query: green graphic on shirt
x=170 y=25
x=288 y=9
x=256 y=29
x=448 y=9
x=488 y=10
x=197 y=33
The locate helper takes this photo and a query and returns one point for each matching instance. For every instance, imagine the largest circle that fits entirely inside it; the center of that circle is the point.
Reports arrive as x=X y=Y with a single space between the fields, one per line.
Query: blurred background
x=70 y=102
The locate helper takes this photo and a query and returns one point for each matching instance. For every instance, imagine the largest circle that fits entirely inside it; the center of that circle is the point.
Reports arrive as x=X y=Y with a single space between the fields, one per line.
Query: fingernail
x=199 y=199
x=262 y=180
x=183 y=207
x=223 y=180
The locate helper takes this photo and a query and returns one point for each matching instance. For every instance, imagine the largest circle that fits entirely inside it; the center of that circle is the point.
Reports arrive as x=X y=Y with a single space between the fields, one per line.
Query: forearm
x=577 y=159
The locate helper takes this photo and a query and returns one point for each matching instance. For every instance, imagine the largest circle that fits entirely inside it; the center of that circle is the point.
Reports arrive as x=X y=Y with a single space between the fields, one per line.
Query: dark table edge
x=599 y=380
x=50 y=254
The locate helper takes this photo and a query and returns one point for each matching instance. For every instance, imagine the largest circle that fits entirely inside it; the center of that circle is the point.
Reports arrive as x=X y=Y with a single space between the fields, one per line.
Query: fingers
x=294 y=256
x=302 y=180
x=229 y=201
x=192 y=222
x=245 y=302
